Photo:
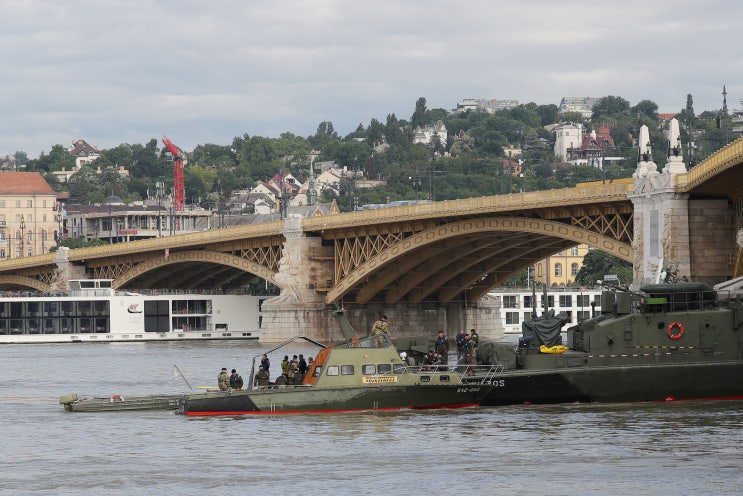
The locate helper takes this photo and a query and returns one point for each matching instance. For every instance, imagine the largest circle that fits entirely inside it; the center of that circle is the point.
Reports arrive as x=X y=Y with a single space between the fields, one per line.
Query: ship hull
x=329 y=400
x=701 y=381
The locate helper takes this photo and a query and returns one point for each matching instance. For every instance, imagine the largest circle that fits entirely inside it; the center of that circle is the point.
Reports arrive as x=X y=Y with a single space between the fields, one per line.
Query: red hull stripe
x=710 y=398
x=295 y=412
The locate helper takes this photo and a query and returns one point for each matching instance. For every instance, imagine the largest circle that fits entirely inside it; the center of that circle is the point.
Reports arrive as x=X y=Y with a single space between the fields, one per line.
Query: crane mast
x=179 y=188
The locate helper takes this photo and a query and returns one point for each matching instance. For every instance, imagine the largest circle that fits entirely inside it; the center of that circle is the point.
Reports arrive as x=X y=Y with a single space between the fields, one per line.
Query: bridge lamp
x=23 y=229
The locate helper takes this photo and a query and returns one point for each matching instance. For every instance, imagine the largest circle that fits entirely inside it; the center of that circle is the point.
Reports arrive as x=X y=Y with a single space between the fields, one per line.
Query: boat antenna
x=534 y=300
x=178 y=371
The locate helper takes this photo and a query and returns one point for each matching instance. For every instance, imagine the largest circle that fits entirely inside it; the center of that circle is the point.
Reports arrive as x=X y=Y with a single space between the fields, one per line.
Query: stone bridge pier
x=300 y=309
x=693 y=237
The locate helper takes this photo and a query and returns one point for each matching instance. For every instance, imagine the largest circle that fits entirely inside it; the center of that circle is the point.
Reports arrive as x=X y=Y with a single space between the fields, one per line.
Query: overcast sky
x=113 y=72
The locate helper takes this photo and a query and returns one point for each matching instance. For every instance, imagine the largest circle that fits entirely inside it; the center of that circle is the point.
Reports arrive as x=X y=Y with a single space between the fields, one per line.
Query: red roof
x=24 y=183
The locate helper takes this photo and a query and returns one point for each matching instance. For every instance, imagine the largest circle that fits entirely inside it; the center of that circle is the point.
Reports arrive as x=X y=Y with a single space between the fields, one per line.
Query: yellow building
x=561 y=268
x=28 y=216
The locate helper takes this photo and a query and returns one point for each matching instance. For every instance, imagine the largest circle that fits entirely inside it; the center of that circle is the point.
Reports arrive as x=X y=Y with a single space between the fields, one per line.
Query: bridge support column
x=664 y=221
x=65 y=271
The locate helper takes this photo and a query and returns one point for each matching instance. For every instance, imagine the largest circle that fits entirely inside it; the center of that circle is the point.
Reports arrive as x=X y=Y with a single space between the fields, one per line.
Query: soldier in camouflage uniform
x=379 y=332
x=223 y=380
x=262 y=377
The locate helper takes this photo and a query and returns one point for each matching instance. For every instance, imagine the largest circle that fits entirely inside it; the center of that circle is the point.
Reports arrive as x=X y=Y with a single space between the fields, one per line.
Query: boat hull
x=329 y=400
x=619 y=384
x=118 y=403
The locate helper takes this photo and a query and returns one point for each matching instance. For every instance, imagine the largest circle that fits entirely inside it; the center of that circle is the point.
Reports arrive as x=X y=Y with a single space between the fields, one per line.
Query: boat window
x=398 y=368
x=444 y=378
x=333 y=370
x=425 y=378
x=384 y=368
x=87 y=284
x=369 y=369
x=346 y=369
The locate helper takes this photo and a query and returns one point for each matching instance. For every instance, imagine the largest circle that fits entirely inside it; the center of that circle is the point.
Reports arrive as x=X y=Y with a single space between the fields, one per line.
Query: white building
x=516 y=305
x=567 y=136
x=581 y=104
x=425 y=135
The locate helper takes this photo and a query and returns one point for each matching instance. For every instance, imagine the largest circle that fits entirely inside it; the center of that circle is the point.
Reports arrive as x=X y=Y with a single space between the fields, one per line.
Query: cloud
x=112 y=72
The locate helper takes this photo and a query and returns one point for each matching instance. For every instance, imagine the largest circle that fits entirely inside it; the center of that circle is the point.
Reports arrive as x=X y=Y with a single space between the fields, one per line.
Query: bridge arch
x=191 y=256
x=469 y=227
x=14 y=281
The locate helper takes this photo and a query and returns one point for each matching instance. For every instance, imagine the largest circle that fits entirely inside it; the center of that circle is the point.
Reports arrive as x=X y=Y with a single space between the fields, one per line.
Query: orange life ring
x=675 y=330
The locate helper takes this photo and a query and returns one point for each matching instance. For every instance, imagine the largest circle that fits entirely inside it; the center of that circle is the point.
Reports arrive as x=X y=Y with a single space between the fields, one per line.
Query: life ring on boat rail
x=117 y=398
x=675 y=330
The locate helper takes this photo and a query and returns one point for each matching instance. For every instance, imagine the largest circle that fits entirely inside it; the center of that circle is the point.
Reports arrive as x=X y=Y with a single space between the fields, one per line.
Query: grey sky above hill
x=114 y=72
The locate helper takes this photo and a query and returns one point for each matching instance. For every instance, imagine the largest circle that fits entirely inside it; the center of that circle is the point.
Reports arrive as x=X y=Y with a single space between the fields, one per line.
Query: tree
x=419 y=115
x=646 y=107
x=609 y=106
x=597 y=264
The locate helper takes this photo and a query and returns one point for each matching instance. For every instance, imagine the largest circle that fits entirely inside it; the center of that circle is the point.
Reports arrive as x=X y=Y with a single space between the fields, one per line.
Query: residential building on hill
x=581 y=104
x=425 y=134
x=29 y=220
x=488 y=105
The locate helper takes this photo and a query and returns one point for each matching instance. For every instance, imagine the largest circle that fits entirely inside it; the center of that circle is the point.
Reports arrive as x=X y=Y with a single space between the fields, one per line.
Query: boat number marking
x=468 y=389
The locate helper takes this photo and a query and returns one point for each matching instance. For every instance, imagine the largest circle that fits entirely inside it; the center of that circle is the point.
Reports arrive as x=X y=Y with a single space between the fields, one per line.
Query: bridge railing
x=597 y=191
x=722 y=159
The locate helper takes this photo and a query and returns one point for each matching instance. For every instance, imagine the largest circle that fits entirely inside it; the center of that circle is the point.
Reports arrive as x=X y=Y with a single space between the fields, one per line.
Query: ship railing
x=471 y=373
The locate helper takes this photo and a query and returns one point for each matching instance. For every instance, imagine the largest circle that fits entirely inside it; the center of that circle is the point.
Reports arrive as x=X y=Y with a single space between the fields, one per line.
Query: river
x=683 y=448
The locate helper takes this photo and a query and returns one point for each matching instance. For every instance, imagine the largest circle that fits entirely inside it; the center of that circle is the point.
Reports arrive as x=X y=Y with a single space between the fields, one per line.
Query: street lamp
x=159 y=192
x=23 y=228
x=58 y=219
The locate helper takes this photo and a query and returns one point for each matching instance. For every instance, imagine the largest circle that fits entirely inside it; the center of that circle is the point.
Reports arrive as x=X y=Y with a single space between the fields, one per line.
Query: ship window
x=425 y=378
x=566 y=300
x=332 y=370
x=398 y=368
x=346 y=369
x=368 y=369
x=527 y=301
x=444 y=378
x=510 y=301
x=512 y=318
x=384 y=368
x=582 y=300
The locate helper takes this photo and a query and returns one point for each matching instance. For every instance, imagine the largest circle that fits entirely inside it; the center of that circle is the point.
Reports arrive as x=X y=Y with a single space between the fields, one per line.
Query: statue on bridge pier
x=645 y=164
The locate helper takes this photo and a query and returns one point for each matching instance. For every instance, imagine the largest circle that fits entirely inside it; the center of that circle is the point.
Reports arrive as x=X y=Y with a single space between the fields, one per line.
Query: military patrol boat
x=667 y=342
x=365 y=374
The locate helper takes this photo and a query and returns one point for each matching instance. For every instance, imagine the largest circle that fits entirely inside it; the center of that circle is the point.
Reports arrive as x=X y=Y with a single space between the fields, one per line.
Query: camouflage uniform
x=261 y=378
x=379 y=332
x=223 y=380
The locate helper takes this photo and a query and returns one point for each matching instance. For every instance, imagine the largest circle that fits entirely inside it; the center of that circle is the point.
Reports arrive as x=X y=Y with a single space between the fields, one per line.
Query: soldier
x=460 y=344
x=261 y=378
x=379 y=332
x=467 y=353
x=442 y=346
x=223 y=380
x=475 y=341
x=236 y=382
x=285 y=366
x=266 y=363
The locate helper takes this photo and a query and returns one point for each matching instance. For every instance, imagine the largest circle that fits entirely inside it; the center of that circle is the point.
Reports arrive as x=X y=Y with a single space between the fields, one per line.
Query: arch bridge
x=441 y=251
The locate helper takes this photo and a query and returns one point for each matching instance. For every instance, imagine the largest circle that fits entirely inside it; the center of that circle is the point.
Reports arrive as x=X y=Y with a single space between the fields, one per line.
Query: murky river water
x=678 y=448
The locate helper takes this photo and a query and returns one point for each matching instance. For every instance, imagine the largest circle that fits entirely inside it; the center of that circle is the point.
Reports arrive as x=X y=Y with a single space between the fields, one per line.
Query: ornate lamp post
x=23 y=229
x=58 y=219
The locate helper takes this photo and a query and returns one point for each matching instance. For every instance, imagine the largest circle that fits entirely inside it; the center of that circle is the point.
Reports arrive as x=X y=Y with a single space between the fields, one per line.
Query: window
x=30 y=203
x=582 y=300
x=574 y=269
x=566 y=301
x=583 y=315
x=333 y=370
x=2 y=203
x=384 y=368
x=510 y=301
x=550 y=301
x=558 y=270
x=512 y=318
x=346 y=369
x=574 y=251
x=527 y=301
x=18 y=204
x=368 y=369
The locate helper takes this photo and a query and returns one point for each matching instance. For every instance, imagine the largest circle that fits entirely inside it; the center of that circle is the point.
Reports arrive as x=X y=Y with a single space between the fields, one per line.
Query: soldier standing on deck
x=379 y=331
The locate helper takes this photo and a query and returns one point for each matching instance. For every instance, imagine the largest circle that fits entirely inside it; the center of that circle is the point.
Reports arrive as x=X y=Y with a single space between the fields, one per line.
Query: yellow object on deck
x=555 y=350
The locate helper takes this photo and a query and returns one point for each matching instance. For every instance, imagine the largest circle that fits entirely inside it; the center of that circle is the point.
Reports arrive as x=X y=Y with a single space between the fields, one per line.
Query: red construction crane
x=179 y=187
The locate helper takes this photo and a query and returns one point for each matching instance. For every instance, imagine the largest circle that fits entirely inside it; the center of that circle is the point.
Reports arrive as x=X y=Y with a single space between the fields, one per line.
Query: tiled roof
x=24 y=183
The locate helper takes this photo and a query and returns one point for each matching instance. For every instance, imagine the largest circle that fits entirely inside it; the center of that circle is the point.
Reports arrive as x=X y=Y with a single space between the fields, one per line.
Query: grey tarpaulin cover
x=544 y=330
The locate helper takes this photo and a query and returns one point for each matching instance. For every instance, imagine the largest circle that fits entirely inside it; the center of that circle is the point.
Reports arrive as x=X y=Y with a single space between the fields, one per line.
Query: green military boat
x=667 y=342
x=117 y=402
x=365 y=374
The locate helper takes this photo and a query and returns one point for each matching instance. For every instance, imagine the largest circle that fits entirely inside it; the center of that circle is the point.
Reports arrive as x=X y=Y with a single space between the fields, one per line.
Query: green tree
x=610 y=106
x=419 y=115
x=597 y=264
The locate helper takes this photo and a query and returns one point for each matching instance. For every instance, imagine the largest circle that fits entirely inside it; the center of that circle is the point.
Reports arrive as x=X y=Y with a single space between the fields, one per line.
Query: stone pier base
x=284 y=318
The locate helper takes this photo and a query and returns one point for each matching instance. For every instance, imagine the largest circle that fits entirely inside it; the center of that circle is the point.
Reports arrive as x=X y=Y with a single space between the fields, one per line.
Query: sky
x=113 y=72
